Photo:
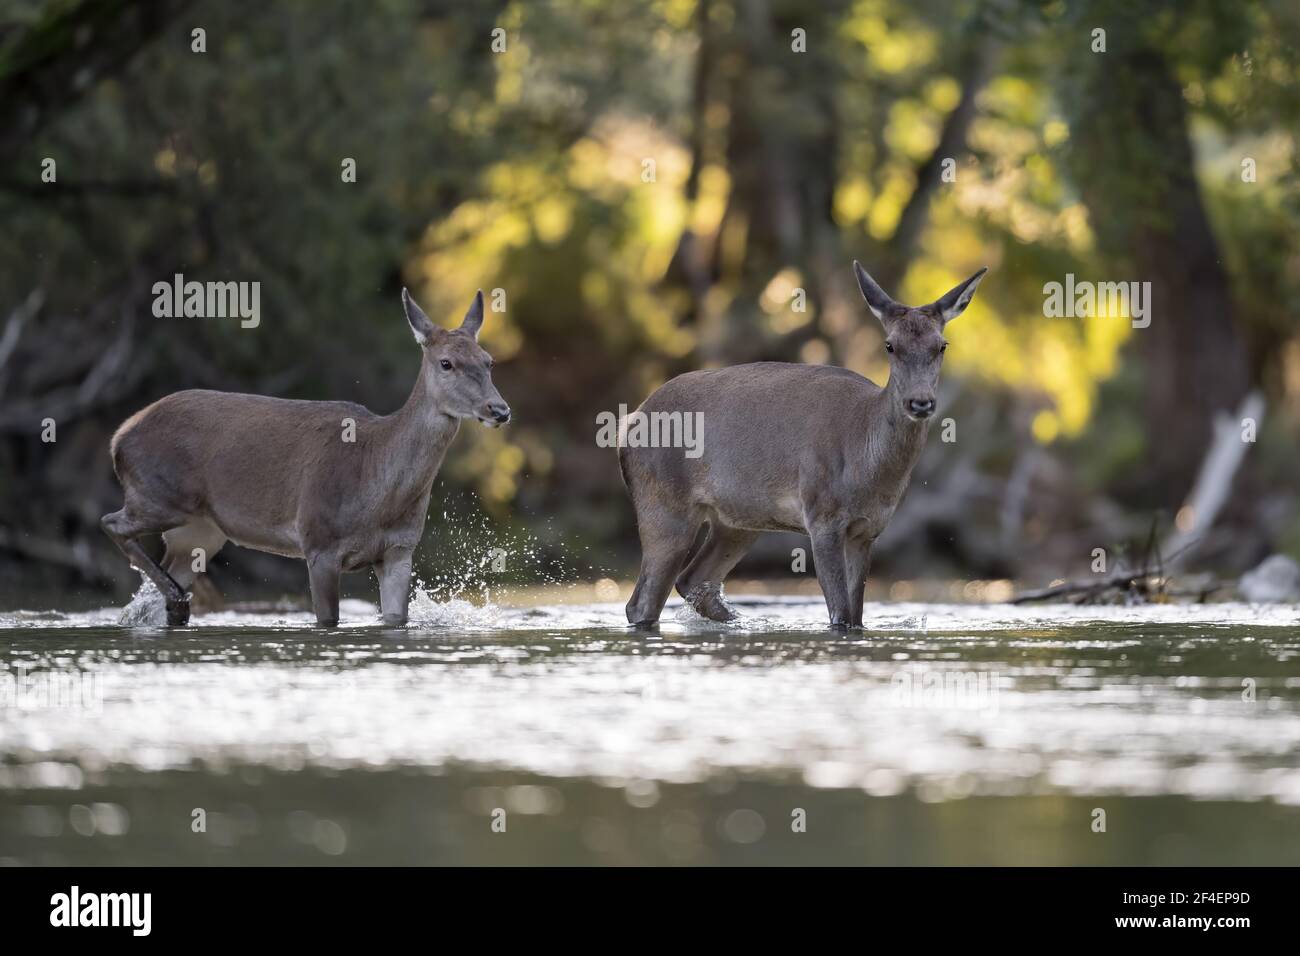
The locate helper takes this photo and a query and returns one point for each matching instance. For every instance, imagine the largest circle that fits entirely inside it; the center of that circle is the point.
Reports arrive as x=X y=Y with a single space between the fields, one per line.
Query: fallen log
x=1214 y=480
x=1150 y=581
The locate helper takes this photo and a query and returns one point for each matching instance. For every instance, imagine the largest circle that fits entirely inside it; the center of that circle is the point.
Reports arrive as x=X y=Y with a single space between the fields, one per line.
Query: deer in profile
x=807 y=448
x=329 y=482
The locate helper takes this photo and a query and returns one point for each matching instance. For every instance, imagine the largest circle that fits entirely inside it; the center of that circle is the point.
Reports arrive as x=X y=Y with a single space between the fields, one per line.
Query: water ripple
x=946 y=701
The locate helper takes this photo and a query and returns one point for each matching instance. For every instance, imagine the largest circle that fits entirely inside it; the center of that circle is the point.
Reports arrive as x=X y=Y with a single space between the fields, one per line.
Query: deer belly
x=261 y=537
x=784 y=513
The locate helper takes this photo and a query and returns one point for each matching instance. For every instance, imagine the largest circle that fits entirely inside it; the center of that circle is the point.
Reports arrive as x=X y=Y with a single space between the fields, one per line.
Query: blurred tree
x=222 y=164
x=1134 y=161
x=649 y=186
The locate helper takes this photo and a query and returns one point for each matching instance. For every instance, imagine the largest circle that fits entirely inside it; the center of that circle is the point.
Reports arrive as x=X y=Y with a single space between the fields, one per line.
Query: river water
x=964 y=734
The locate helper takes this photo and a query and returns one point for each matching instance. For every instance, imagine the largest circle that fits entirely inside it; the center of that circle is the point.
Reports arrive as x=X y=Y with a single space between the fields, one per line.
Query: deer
x=813 y=449
x=331 y=483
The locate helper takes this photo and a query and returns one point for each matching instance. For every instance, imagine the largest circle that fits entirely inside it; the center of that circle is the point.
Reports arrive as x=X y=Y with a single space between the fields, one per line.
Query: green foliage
x=525 y=171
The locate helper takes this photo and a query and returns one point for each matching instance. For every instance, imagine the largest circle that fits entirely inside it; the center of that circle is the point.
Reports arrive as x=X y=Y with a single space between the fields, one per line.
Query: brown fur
x=204 y=467
x=807 y=448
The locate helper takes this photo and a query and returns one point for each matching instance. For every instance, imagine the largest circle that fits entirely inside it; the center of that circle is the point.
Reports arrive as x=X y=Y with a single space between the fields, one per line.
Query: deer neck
x=894 y=439
x=416 y=439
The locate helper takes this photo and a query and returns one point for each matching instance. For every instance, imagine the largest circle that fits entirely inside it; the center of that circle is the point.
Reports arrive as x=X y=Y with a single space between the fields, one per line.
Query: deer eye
x=445 y=365
x=944 y=347
x=889 y=348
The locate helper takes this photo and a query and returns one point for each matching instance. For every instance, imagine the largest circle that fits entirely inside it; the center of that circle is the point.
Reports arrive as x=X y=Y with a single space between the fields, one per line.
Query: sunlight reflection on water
x=945 y=701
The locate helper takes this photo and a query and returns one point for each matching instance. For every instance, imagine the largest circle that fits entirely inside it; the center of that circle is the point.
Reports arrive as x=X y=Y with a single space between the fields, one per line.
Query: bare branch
x=19 y=317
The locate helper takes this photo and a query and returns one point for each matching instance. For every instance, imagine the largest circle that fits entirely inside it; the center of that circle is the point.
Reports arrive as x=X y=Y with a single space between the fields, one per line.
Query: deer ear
x=878 y=301
x=419 y=322
x=954 y=303
x=474 y=317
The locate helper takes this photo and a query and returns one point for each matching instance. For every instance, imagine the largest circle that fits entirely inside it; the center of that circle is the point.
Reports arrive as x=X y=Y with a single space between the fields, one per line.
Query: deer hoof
x=178 y=613
x=708 y=602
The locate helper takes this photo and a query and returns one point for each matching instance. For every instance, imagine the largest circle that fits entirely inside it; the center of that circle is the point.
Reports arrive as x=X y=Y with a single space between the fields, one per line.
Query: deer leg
x=701 y=583
x=666 y=540
x=192 y=544
x=125 y=527
x=324 y=571
x=394 y=574
x=857 y=558
x=189 y=549
x=828 y=555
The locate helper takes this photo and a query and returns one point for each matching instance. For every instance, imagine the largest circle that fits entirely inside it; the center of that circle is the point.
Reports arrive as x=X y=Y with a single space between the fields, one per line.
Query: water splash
x=456 y=614
x=477 y=561
x=686 y=616
x=473 y=554
x=147 y=608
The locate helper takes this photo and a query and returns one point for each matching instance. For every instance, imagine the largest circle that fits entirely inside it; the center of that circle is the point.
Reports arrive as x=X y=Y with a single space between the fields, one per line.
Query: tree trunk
x=1135 y=163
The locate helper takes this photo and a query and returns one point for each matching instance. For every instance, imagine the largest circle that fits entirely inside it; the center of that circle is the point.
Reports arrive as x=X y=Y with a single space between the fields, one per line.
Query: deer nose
x=499 y=411
x=921 y=407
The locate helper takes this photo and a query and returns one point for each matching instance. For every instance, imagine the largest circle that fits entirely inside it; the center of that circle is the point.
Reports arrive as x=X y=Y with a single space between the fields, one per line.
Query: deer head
x=914 y=339
x=457 y=371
